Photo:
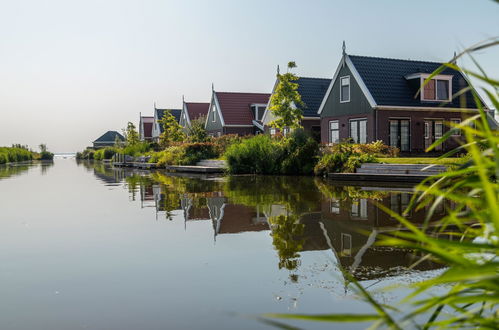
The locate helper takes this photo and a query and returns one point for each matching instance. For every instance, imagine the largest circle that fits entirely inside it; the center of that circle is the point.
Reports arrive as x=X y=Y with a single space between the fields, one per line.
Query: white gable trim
x=346 y=61
x=361 y=83
x=185 y=113
x=214 y=101
x=264 y=117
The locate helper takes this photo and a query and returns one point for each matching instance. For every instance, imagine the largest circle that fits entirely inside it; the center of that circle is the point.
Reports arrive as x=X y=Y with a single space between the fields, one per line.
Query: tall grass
x=470 y=283
x=12 y=155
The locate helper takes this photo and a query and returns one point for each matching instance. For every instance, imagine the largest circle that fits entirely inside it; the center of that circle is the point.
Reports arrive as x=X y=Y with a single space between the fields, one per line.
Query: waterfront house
x=108 y=139
x=236 y=113
x=157 y=128
x=192 y=111
x=371 y=98
x=145 y=128
x=312 y=91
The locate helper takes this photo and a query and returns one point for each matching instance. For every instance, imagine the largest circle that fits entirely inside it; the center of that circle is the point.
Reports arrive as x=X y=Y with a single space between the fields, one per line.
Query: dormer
x=258 y=110
x=438 y=89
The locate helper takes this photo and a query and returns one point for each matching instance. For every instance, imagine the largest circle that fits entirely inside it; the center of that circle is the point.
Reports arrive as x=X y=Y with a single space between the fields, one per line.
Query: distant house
x=192 y=111
x=157 y=128
x=145 y=128
x=108 y=139
x=312 y=91
x=236 y=113
x=372 y=98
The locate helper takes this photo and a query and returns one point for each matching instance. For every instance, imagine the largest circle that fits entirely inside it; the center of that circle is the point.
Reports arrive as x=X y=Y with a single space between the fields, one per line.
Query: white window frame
x=437 y=77
x=330 y=130
x=458 y=131
x=272 y=131
x=358 y=127
x=214 y=110
x=349 y=89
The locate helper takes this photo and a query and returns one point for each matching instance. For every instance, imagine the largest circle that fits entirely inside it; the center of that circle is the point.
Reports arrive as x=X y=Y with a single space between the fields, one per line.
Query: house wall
x=239 y=130
x=358 y=107
x=358 y=102
x=213 y=127
x=417 y=126
x=344 y=122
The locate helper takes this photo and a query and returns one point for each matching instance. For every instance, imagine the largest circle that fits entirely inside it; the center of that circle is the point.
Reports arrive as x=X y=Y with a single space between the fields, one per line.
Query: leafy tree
x=131 y=134
x=43 y=147
x=197 y=131
x=286 y=104
x=172 y=131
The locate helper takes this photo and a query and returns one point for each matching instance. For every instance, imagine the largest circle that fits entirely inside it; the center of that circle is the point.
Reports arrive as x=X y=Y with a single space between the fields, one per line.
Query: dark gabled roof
x=235 y=107
x=196 y=109
x=312 y=91
x=160 y=113
x=385 y=79
x=174 y=112
x=110 y=136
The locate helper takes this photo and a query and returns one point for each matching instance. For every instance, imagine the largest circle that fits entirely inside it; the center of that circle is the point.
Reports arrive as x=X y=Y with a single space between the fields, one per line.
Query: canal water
x=86 y=246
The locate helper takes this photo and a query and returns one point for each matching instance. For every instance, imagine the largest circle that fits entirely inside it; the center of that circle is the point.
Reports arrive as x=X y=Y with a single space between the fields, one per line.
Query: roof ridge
x=396 y=59
x=243 y=93
x=300 y=77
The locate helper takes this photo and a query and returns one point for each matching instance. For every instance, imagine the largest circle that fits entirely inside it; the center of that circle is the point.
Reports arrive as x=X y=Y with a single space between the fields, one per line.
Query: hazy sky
x=71 y=70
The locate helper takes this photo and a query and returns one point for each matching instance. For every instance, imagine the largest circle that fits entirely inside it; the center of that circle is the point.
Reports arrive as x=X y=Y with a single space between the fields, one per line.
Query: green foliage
x=222 y=143
x=257 y=155
x=286 y=232
x=194 y=152
x=131 y=134
x=12 y=155
x=470 y=282
x=262 y=154
x=43 y=147
x=46 y=155
x=301 y=152
x=196 y=131
x=87 y=154
x=136 y=149
x=105 y=153
x=172 y=131
x=185 y=154
x=346 y=157
x=285 y=103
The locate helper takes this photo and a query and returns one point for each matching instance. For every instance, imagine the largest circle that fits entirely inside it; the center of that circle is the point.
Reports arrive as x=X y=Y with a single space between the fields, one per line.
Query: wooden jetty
x=378 y=172
x=203 y=167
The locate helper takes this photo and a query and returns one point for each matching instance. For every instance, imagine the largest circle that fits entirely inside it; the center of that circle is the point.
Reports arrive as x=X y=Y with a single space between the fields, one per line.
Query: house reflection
x=343 y=220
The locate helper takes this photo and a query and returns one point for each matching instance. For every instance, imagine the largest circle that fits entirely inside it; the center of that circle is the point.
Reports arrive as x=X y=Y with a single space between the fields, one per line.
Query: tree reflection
x=286 y=233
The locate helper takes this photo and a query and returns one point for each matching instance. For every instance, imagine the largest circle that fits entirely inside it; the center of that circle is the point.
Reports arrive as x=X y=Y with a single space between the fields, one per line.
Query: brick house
x=372 y=98
x=236 y=113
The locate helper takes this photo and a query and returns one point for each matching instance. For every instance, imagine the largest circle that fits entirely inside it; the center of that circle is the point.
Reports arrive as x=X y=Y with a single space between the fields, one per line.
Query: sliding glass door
x=400 y=134
x=433 y=130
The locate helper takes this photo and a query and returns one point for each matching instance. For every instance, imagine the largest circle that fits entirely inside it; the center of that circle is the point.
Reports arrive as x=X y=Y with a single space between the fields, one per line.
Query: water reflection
x=300 y=213
x=11 y=170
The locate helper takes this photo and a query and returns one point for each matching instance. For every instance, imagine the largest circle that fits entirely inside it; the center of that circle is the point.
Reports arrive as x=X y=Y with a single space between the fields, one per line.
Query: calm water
x=91 y=247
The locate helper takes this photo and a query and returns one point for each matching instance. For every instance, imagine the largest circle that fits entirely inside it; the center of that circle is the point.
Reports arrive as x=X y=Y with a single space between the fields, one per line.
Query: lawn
x=423 y=160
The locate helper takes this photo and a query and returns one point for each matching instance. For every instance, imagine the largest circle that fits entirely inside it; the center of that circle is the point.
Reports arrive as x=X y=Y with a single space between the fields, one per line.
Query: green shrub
x=46 y=155
x=171 y=156
x=257 y=155
x=105 y=153
x=301 y=153
x=136 y=149
x=346 y=157
x=3 y=158
x=194 y=152
x=15 y=154
x=222 y=143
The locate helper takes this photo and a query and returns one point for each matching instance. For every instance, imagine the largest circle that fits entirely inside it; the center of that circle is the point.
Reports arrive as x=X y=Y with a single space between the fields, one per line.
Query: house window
x=345 y=89
x=437 y=90
x=334 y=131
x=335 y=206
x=359 y=209
x=455 y=122
x=346 y=245
x=213 y=111
x=400 y=133
x=272 y=131
x=358 y=130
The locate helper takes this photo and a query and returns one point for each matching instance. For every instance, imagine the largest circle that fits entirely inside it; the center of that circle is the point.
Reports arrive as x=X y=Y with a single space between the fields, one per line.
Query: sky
x=72 y=70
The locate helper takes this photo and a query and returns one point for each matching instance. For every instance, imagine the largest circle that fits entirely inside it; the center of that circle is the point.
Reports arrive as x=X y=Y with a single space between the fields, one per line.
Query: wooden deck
x=374 y=172
x=202 y=167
